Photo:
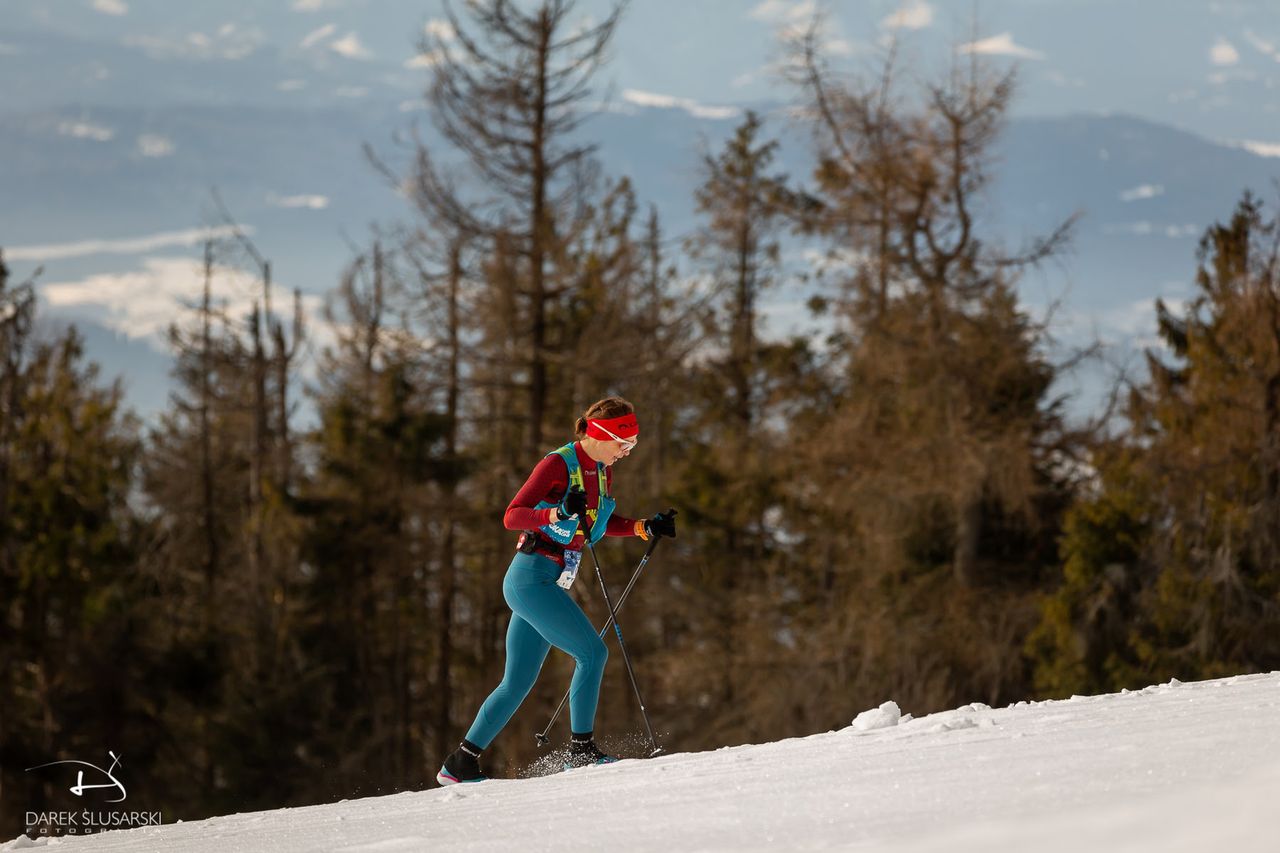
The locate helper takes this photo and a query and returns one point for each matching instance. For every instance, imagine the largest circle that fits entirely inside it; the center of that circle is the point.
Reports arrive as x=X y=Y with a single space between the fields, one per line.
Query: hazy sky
x=1211 y=66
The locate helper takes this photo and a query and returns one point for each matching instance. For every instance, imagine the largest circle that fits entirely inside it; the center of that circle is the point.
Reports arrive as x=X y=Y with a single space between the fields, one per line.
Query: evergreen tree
x=371 y=547
x=71 y=643
x=1188 y=496
x=223 y=554
x=729 y=462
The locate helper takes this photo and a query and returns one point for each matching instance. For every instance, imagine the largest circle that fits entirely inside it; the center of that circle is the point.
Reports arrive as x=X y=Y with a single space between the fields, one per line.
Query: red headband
x=625 y=426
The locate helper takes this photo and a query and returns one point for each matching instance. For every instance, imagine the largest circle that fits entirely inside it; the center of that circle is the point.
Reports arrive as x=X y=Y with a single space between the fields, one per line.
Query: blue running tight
x=542 y=615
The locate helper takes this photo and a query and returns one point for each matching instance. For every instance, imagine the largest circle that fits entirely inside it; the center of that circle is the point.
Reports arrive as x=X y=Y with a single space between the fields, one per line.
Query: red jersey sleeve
x=549 y=481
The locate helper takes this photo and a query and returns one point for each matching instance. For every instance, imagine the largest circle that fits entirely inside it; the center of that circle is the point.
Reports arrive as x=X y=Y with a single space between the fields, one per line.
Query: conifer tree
x=1172 y=566
x=728 y=461
x=70 y=642
x=372 y=543
x=223 y=553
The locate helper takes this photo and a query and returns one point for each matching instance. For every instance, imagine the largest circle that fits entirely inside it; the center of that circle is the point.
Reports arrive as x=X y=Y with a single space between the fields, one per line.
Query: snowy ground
x=1178 y=767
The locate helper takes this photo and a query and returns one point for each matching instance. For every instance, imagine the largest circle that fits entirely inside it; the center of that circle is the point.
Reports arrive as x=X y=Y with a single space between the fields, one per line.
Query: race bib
x=572 y=559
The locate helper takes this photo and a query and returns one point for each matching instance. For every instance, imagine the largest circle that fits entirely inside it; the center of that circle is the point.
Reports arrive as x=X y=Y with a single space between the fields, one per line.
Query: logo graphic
x=80 y=787
x=91 y=819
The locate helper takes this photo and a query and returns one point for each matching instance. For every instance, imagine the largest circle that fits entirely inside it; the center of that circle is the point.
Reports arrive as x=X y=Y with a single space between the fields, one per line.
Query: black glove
x=574 y=504
x=662 y=524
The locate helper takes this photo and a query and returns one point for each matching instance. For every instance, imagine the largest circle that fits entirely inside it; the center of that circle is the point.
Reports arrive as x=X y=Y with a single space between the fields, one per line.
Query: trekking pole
x=617 y=629
x=542 y=736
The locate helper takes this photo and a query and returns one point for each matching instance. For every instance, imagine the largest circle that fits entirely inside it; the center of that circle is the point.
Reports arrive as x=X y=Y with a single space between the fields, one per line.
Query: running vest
x=564 y=530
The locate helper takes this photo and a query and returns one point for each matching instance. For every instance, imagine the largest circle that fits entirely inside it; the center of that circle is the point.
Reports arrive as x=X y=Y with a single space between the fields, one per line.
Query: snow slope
x=1175 y=767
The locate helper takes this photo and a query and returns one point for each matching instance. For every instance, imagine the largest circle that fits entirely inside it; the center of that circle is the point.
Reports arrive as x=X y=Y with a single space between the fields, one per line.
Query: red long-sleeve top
x=549 y=482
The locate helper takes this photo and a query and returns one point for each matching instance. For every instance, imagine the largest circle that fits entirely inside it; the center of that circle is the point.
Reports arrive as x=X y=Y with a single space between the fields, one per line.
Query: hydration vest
x=564 y=530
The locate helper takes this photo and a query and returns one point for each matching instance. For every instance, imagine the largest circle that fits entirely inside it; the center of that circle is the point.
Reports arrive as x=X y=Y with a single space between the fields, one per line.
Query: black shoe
x=462 y=765
x=585 y=753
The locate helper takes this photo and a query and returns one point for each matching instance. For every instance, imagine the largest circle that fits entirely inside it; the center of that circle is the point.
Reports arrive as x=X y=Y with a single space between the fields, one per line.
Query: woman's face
x=618 y=450
x=609 y=452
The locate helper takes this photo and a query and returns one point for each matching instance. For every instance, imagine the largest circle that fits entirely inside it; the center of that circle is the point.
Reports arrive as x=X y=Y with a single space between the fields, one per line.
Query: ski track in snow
x=1176 y=767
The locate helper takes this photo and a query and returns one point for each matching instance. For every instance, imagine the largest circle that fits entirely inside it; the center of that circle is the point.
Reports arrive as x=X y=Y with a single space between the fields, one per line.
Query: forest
x=257 y=614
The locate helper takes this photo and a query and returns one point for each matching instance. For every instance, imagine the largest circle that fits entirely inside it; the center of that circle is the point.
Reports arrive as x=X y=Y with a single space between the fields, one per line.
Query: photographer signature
x=80 y=787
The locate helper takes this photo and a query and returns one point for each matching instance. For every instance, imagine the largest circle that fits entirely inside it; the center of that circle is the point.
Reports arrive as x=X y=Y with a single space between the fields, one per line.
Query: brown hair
x=609 y=407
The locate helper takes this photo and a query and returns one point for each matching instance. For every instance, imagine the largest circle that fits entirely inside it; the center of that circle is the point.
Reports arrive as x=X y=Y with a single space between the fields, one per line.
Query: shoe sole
x=445 y=779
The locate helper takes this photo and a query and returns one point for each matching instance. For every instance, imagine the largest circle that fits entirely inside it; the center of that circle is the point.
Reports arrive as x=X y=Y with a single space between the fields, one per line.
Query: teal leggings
x=542 y=615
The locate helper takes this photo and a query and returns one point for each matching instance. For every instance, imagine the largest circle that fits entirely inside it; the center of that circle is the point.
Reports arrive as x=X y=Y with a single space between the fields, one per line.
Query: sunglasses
x=628 y=444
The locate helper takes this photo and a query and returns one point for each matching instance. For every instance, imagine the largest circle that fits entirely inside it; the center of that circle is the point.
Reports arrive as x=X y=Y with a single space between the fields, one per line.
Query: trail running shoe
x=585 y=753
x=461 y=766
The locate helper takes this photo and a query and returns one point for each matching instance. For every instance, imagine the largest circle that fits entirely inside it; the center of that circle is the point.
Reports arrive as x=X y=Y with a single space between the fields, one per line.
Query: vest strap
x=566 y=530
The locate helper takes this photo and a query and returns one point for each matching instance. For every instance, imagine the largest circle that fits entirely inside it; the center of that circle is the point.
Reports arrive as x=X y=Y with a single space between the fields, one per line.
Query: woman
x=567 y=487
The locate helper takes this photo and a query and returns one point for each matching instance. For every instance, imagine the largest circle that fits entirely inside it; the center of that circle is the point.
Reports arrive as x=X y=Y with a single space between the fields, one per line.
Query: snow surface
x=1174 y=767
x=888 y=714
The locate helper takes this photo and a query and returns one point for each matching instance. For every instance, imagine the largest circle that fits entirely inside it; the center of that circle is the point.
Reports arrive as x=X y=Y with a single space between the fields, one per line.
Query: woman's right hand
x=574 y=504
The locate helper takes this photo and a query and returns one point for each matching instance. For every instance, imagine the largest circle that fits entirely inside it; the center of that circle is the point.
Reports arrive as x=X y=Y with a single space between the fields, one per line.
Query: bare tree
x=898 y=186
x=507 y=93
x=940 y=431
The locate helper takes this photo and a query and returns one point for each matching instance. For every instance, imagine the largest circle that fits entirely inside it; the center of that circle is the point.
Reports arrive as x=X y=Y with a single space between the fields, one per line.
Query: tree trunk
x=539 y=232
x=448 y=556
x=206 y=441
x=968 y=528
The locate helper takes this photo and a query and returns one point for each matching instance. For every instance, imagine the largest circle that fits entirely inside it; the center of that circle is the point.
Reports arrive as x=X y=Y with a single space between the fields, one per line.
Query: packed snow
x=1173 y=767
x=888 y=714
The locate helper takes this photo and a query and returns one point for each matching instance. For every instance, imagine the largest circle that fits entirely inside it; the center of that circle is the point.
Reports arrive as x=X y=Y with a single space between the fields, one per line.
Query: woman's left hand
x=662 y=524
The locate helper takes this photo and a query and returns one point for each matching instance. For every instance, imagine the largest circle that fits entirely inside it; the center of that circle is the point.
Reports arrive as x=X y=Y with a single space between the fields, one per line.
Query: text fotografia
x=88 y=821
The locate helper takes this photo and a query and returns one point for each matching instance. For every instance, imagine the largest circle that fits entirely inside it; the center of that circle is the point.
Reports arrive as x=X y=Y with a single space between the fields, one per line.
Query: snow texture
x=886 y=715
x=1175 y=767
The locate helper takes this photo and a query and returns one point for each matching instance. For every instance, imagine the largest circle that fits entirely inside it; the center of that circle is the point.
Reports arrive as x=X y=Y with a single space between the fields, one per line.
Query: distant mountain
x=120 y=116
x=1147 y=193
x=298 y=178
